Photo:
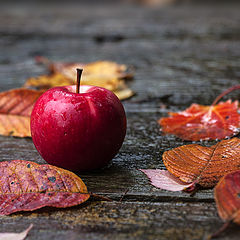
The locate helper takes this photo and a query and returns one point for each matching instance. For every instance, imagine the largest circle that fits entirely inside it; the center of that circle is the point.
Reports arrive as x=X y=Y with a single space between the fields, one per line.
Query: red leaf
x=227 y=197
x=165 y=180
x=26 y=186
x=200 y=122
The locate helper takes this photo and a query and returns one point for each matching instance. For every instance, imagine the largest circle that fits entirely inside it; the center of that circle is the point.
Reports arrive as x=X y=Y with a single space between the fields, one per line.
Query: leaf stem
x=79 y=74
x=220 y=230
x=100 y=197
x=225 y=93
x=124 y=194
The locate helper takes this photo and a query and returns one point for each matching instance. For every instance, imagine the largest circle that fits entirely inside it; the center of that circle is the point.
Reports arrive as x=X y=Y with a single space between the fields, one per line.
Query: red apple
x=78 y=131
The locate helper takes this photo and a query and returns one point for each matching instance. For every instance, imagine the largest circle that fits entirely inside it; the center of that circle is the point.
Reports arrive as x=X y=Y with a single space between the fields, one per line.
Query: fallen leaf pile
x=15 y=111
x=27 y=186
x=192 y=165
x=109 y=75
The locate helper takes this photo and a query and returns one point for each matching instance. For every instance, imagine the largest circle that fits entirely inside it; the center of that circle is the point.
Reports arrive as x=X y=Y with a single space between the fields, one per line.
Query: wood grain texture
x=181 y=54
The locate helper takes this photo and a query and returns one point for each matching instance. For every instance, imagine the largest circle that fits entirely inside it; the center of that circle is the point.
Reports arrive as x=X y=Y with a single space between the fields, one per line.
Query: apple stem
x=79 y=74
x=225 y=93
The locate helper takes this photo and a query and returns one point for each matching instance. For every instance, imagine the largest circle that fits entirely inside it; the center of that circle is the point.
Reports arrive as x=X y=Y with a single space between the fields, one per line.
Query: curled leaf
x=15 y=111
x=27 y=186
x=165 y=180
x=109 y=75
x=200 y=122
x=15 y=236
x=203 y=165
x=227 y=197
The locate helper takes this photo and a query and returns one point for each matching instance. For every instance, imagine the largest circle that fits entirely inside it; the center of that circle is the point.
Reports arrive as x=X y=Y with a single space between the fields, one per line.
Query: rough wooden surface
x=182 y=54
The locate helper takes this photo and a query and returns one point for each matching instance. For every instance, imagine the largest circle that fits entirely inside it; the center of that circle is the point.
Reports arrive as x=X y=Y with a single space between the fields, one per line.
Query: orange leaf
x=203 y=165
x=227 y=197
x=200 y=122
x=15 y=110
x=27 y=186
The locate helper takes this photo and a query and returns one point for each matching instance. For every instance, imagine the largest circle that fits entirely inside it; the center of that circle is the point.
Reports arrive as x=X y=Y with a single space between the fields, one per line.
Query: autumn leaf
x=165 y=180
x=45 y=82
x=105 y=74
x=15 y=111
x=200 y=122
x=104 y=69
x=15 y=236
x=204 y=165
x=227 y=197
x=27 y=186
x=194 y=164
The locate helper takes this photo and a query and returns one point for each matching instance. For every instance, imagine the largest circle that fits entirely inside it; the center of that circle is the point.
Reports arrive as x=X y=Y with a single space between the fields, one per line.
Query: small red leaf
x=165 y=180
x=227 y=197
x=200 y=122
x=26 y=186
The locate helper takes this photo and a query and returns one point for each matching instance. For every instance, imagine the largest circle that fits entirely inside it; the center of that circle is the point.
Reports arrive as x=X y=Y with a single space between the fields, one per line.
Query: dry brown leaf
x=15 y=111
x=105 y=74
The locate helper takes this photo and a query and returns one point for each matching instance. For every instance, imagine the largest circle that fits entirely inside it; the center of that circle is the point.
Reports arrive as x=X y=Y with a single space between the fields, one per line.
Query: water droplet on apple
x=64 y=117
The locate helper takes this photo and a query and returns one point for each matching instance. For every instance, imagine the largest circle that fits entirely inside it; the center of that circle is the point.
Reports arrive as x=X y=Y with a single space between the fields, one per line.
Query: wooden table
x=182 y=54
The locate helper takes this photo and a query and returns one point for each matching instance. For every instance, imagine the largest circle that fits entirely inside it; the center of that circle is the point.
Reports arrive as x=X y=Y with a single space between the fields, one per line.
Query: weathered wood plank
x=130 y=220
x=181 y=55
